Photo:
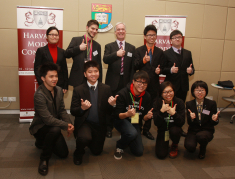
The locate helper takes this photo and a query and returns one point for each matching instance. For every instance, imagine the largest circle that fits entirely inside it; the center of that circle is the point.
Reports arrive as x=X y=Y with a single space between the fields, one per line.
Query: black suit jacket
x=206 y=120
x=114 y=62
x=157 y=59
x=179 y=79
x=43 y=55
x=104 y=109
x=77 y=72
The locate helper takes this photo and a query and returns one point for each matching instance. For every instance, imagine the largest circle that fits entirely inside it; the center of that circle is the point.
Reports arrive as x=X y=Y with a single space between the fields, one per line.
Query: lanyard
x=169 y=118
x=88 y=51
x=133 y=101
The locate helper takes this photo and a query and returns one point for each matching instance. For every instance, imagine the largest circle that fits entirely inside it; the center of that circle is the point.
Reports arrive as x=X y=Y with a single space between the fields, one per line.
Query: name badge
x=129 y=54
x=135 y=119
x=167 y=135
x=95 y=53
x=206 y=112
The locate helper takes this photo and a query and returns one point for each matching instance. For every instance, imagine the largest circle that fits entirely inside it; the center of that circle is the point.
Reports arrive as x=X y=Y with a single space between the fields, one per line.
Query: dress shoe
x=184 y=134
x=77 y=160
x=174 y=151
x=148 y=135
x=109 y=134
x=43 y=167
x=202 y=152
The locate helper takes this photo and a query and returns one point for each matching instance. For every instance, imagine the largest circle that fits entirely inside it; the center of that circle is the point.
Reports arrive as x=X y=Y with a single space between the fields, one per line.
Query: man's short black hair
x=148 y=28
x=201 y=84
x=48 y=66
x=165 y=84
x=50 y=29
x=91 y=22
x=90 y=64
x=175 y=32
x=141 y=75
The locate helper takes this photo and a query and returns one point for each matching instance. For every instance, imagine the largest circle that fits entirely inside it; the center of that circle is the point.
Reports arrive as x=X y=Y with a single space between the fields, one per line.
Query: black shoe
x=77 y=160
x=109 y=134
x=43 y=167
x=202 y=152
x=118 y=154
x=39 y=146
x=184 y=134
x=148 y=135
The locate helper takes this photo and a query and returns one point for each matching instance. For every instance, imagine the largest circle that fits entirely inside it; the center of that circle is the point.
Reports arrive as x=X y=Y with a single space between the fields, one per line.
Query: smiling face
x=199 y=93
x=176 y=41
x=168 y=94
x=139 y=86
x=120 y=32
x=150 y=37
x=92 y=75
x=92 y=30
x=53 y=37
x=50 y=80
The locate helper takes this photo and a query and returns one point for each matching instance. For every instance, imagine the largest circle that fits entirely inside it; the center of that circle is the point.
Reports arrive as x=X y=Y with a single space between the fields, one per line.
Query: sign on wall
x=32 y=23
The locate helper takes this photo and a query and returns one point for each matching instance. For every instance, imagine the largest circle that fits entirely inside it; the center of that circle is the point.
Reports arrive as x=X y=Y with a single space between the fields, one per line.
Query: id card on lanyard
x=135 y=118
x=167 y=134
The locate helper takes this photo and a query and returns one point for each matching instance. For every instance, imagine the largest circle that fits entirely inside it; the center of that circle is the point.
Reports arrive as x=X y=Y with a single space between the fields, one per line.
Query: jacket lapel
x=48 y=54
x=46 y=91
x=175 y=56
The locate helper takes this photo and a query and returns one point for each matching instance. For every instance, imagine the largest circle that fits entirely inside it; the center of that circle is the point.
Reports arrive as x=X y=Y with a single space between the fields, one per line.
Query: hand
x=171 y=111
x=174 y=69
x=215 y=116
x=165 y=107
x=149 y=115
x=147 y=58
x=192 y=115
x=121 y=52
x=85 y=104
x=70 y=129
x=190 y=69
x=130 y=112
x=157 y=70
x=65 y=91
x=83 y=46
x=112 y=100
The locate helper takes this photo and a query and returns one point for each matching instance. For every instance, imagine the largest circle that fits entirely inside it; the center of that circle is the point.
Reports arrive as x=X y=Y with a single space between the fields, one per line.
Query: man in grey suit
x=119 y=56
x=50 y=117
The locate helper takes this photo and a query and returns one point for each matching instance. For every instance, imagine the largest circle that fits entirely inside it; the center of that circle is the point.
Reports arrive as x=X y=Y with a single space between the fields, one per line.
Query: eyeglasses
x=141 y=83
x=167 y=92
x=151 y=35
x=55 y=35
x=199 y=91
x=177 y=38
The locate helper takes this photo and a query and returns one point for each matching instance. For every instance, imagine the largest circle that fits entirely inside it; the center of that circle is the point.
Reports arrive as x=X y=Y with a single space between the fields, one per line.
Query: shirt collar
x=85 y=36
x=123 y=43
x=152 y=48
x=96 y=83
x=176 y=49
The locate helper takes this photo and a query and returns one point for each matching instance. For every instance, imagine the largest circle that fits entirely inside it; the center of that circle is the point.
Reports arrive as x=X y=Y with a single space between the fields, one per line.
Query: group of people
x=130 y=98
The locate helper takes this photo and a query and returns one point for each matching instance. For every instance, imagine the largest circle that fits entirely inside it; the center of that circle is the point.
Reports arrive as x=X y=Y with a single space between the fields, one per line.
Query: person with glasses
x=52 y=53
x=178 y=66
x=150 y=58
x=169 y=117
x=202 y=116
x=132 y=107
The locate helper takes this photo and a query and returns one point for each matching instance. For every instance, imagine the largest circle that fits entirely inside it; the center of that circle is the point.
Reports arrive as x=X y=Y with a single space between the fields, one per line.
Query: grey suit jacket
x=45 y=111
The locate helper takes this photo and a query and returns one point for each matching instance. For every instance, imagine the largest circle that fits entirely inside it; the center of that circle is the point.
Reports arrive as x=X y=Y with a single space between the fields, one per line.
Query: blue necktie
x=151 y=55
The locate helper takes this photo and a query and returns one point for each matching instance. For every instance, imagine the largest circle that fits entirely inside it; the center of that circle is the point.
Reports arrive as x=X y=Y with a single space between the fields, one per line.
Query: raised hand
x=192 y=115
x=174 y=69
x=147 y=57
x=171 y=111
x=215 y=116
x=157 y=70
x=130 y=112
x=83 y=46
x=85 y=104
x=121 y=52
x=165 y=107
x=190 y=69
x=112 y=100
x=149 y=115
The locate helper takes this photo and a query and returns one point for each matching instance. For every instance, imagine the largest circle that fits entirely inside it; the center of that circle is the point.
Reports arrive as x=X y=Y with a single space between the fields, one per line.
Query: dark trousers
x=110 y=121
x=202 y=137
x=91 y=136
x=161 y=148
x=181 y=94
x=53 y=141
x=130 y=136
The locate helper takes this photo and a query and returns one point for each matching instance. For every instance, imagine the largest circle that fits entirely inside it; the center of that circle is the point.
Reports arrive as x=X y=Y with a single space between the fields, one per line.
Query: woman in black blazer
x=202 y=116
x=52 y=53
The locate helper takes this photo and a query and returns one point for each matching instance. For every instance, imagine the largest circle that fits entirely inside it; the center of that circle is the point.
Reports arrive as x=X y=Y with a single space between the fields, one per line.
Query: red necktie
x=122 y=69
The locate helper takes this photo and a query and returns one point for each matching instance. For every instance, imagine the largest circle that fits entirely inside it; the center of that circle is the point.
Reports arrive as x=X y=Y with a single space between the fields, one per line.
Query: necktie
x=151 y=55
x=179 y=51
x=199 y=110
x=122 y=63
x=92 y=88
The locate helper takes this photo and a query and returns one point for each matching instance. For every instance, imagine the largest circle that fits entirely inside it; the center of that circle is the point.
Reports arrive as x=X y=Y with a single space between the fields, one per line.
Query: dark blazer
x=82 y=92
x=43 y=55
x=45 y=111
x=77 y=72
x=179 y=79
x=206 y=120
x=158 y=58
x=114 y=62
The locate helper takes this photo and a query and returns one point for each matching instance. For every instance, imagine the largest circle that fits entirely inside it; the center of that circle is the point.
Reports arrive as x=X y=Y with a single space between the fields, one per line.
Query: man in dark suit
x=50 y=117
x=91 y=105
x=119 y=56
x=150 y=58
x=178 y=65
x=83 y=49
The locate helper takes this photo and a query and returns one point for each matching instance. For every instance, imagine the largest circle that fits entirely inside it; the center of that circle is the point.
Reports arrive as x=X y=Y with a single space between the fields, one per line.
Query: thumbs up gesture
x=130 y=112
x=171 y=111
x=112 y=100
x=165 y=107
x=85 y=104
x=147 y=57
x=149 y=115
x=157 y=70
x=121 y=52
x=190 y=69
x=174 y=69
x=215 y=116
x=192 y=115
x=83 y=46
